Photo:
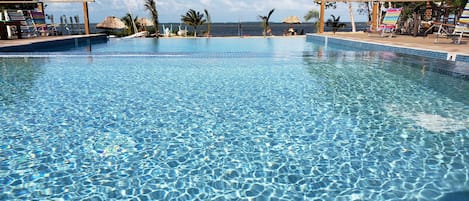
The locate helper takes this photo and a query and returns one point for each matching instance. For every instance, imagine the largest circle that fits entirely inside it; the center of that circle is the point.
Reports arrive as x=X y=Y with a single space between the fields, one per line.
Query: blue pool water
x=231 y=119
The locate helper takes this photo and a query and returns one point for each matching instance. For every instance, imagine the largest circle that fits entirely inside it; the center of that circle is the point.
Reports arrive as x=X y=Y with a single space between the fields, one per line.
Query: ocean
x=232 y=29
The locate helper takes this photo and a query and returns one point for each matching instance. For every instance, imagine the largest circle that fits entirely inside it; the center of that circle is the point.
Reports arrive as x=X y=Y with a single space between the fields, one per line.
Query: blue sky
x=219 y=10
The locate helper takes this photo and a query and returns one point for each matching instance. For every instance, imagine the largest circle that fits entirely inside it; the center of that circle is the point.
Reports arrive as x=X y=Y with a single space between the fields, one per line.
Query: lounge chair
x=459 y=30
x=16 y=17
x=389 y=23
x=39 y=22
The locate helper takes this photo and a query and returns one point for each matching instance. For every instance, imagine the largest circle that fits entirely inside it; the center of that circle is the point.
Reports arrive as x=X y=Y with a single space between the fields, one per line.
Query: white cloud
x=206 y=3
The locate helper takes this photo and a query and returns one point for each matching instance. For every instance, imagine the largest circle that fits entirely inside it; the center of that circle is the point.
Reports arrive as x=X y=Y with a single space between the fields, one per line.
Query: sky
x=219 y=10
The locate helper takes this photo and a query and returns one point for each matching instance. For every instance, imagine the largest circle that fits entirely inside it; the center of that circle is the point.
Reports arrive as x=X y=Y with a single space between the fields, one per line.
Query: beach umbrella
x=145 y=22
x=292 y=20
x=111 y=22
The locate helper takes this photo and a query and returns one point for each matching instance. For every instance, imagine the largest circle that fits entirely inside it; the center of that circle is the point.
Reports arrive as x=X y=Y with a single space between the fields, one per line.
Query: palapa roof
x=111 y=22
x=145 y=22
x=292 y=20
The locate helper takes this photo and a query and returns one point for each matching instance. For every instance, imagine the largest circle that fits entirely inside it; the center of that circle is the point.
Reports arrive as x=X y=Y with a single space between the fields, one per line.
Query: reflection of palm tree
x=265 y=22
x=194 y=19
x=150 y=5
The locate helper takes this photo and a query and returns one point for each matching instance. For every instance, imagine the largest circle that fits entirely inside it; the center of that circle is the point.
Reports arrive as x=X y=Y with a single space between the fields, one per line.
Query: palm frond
x=150 y=5
x=208 y=22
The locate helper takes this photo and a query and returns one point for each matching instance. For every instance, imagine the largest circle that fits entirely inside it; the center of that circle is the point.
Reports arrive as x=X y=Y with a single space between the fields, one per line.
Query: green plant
x=150 y=5
x=312 y=15
x=207 y=16
x=265 y=22
x=129 y=22
x=335 y=23
x=193 y=18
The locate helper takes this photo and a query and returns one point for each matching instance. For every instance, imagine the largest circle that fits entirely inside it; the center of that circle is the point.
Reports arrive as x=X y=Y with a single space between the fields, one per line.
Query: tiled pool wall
x=403 y=50
x=61 y=43
x=381 y=47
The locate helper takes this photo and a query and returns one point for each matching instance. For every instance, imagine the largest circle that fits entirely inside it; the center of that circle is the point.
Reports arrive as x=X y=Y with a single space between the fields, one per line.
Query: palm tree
x=265 y=22
x=312 y=14
x=352 y=19
x=150 y=5
x=127 y=19
x=193 y=18
x=207 y=16
x=335 y=24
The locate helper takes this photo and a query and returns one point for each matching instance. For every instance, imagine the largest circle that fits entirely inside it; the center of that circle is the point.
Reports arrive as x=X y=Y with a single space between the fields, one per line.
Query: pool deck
x=419 y=42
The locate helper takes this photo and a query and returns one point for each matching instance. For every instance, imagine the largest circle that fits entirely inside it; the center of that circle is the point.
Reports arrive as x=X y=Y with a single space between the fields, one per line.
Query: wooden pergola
x=85 y=10
x=374 y=20
x=40 y=2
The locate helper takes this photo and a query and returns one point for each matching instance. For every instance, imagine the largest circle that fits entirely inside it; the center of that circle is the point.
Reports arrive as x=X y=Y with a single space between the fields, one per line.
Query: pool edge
x=29 y=45
x=445 y=55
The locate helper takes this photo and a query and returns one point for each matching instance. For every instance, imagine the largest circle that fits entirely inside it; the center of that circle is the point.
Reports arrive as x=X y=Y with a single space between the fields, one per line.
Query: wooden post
x=40 y=7
x=321 y=16
x=374 y=16
x=87 y=23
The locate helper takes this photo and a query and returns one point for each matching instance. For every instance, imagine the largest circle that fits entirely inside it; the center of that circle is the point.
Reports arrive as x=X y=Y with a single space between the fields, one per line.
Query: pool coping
x=29 y=45
x=367 y=45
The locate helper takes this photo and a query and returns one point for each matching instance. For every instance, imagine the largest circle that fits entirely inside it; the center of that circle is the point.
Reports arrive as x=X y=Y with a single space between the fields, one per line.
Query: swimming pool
x=231 y=119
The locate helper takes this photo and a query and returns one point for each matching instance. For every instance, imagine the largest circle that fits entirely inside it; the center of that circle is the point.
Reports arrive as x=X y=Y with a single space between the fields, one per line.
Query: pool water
x=231 y=119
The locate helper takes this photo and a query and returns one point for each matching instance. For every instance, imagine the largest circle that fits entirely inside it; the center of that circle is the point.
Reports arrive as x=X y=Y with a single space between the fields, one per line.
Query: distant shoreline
x=233 y=29
x=202 y=37
x=251 y=22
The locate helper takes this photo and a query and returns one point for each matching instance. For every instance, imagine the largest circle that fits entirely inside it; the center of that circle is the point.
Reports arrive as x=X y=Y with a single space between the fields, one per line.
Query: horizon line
x=247 y=22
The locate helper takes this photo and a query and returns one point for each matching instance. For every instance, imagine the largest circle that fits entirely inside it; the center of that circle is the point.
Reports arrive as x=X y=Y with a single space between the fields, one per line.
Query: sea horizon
x=220 y=29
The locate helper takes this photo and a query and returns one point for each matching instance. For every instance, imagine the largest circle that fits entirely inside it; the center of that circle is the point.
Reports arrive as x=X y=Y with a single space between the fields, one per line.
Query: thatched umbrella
x=145 y=22
x=111 y=22
x=292 y=20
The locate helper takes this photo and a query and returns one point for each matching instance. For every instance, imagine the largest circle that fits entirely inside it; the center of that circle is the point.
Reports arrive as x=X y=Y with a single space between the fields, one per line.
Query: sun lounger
x=39 y=22
x=16 y=17
x=389 y=24
x=459 y=30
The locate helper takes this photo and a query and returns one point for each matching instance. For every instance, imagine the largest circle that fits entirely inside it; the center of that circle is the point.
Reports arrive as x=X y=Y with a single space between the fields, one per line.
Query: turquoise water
x=231 y=119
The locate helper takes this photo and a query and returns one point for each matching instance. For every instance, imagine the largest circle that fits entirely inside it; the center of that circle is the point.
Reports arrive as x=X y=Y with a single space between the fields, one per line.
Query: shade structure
x=374 y=14
x=111 y=22
x=66 y=1
x=145 y=22
x=85 y=10
x=292 y=20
